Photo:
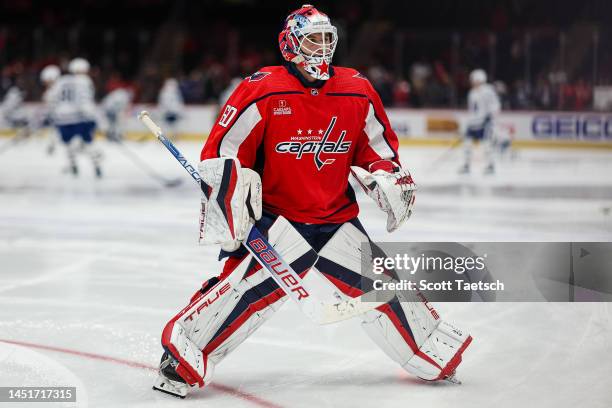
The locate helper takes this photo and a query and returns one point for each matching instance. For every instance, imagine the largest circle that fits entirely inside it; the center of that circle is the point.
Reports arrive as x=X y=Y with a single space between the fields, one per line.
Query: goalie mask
x=308 y=39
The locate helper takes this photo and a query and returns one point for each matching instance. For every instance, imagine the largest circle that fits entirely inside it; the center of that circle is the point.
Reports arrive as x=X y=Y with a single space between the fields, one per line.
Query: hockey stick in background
x=146 y=168
x=257 y=244
x=435 y=164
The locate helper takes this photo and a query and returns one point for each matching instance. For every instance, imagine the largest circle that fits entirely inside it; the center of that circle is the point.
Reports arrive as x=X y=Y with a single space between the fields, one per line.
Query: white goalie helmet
x=49 y=74
x=309 y=39
x=78 y=66
x=478 y=76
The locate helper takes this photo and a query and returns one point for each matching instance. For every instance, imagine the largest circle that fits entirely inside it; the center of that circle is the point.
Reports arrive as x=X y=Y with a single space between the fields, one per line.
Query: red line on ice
x=219 y=387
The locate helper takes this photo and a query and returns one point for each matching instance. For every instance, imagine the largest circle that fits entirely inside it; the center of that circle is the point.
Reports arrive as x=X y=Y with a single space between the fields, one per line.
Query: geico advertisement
x=587 y=126
x=572 y=126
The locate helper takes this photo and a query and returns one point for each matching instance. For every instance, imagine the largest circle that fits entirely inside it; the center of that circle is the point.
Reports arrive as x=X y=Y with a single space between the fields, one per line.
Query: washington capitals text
x=317 y=147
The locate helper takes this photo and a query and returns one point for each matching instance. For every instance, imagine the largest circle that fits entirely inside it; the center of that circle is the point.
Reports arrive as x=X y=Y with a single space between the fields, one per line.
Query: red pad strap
x=451 y=366
x=184 y=369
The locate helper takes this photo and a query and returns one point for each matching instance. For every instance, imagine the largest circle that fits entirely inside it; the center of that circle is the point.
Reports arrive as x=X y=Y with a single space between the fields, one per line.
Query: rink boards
x=420 y=127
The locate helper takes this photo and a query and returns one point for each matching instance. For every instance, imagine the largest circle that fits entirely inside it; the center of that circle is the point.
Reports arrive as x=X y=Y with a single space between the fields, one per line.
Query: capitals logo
x=316 y=147
x=258 y=76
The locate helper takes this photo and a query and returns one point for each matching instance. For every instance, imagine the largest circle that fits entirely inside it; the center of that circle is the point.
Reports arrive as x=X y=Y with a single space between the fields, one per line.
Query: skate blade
x=166 y=386
x=169 y=393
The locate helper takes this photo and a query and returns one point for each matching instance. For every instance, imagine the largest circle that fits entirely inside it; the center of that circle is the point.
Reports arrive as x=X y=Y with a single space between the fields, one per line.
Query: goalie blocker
x=230 y=203
x=230 y=307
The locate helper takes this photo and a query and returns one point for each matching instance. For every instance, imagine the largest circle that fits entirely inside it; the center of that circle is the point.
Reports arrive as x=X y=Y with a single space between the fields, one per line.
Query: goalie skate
x=169 y=381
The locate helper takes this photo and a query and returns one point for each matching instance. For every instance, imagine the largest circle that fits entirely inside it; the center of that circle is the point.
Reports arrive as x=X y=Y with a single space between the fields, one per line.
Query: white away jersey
x=483 y=103
x=72 y=100
x=170 y=98
x=12 y=105
x=117 y=101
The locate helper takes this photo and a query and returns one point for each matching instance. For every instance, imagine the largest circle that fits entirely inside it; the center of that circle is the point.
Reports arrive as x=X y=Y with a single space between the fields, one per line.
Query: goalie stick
x=145 y=167
x=256 y=243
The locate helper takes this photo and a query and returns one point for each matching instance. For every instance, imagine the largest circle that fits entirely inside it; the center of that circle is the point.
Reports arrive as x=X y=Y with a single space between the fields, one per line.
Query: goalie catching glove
x=391 y=187
x=230 y=202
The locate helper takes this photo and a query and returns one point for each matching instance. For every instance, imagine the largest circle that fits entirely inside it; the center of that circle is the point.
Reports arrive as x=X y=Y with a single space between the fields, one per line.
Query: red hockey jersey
x=302 y=140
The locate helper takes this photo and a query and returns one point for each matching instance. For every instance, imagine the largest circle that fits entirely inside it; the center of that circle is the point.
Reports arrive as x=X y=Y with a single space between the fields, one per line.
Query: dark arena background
x=550 y=55
x=99 y=241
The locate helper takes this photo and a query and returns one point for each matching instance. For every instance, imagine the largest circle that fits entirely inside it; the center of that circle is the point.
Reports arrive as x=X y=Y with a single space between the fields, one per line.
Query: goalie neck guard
x=309 y=39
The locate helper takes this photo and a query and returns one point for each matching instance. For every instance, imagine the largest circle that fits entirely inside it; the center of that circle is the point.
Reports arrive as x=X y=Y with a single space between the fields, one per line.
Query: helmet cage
x=302 y=46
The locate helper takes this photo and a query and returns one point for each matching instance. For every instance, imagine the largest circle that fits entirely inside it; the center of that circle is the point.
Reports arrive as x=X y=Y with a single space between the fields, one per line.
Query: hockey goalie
x=280 y=155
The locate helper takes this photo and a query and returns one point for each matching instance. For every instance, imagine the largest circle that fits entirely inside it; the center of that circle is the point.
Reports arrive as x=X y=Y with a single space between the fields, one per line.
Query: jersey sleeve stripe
x=238 y=118
x=375 y=130
x=239 y=132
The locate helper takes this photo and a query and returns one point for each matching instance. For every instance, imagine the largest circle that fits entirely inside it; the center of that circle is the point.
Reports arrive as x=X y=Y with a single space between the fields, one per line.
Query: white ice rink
x=91 y=270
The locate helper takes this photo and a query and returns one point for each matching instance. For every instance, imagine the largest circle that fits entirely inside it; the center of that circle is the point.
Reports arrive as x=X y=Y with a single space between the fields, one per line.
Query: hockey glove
x=391 y=187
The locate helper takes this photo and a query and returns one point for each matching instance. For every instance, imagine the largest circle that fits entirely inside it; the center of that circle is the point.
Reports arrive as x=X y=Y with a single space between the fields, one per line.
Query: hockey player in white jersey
x=483 y=106
x=13 y=112
x=74 y=113
x=48 y=76
x=170 y=104
x=115 y=105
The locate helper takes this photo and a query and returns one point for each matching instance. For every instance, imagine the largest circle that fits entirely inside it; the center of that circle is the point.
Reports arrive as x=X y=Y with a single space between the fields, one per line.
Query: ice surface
x=90 y=271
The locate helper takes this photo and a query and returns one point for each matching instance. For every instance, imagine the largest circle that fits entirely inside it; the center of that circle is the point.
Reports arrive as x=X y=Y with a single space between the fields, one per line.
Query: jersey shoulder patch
x=266 y=73
x=268 y=79
x=258 y=76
